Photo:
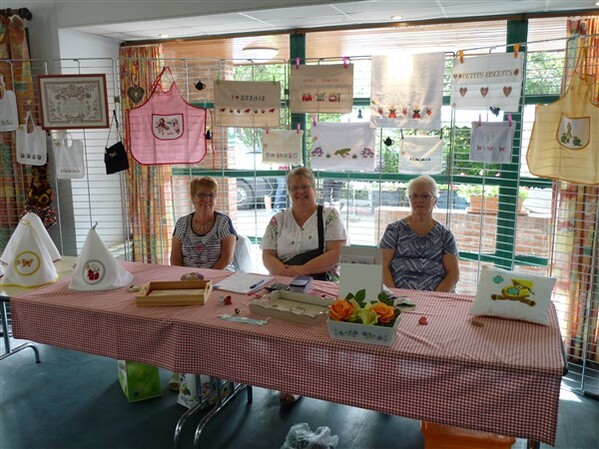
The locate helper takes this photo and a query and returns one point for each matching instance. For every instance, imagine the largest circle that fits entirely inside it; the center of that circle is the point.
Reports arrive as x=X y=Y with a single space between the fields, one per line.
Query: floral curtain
x=16 y=71
x=576 y=249
x=148 y=187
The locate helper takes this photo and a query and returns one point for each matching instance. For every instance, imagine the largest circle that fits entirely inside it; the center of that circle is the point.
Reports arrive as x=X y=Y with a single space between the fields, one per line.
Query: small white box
x=292 y=306
x=363 y=333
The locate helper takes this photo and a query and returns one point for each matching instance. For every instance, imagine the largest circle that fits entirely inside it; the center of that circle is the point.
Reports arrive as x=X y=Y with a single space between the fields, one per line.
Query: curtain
x=576 y=250
x=16 y=70
x=148 y=187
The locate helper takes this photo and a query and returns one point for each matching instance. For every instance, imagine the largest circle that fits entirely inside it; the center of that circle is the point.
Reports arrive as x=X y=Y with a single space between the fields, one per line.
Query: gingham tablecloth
x=503 y=377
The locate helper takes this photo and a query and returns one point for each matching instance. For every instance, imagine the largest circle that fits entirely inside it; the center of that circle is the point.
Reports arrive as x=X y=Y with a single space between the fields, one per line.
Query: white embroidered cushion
x=513 y=294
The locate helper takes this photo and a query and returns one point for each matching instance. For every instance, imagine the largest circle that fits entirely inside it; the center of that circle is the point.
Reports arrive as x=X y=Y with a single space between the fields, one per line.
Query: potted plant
x=356 y=319
x=485 y=198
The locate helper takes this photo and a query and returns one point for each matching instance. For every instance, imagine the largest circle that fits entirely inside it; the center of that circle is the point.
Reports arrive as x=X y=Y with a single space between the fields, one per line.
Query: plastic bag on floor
x=300 y=436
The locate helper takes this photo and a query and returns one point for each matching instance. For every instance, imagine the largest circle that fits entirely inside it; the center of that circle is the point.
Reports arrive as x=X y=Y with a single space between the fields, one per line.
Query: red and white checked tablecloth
x=503 y=377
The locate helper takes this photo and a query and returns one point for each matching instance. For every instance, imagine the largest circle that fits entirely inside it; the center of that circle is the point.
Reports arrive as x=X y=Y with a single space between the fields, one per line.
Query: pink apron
x=166 y=129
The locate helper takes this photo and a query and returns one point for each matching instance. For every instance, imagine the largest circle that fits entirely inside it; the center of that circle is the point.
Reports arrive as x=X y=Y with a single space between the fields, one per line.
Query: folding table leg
x=8 y=351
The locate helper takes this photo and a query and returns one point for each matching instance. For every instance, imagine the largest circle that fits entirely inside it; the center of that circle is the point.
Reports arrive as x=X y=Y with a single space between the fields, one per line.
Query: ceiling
x=334 y=14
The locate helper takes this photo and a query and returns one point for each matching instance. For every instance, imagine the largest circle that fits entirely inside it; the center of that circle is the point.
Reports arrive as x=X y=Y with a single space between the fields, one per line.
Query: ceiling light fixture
x=396 y=17
x=260 y=52
x=163 y=36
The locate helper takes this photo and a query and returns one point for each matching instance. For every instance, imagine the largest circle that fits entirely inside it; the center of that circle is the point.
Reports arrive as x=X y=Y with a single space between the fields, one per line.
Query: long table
x=502 y=377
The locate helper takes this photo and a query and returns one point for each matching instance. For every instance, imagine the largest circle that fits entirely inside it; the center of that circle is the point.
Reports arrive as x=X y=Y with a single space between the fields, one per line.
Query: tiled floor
x=73 y=400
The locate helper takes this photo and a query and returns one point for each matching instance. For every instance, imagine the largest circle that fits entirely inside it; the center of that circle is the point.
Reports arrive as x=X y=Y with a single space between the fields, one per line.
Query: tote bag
x=69 y=159
x=9 y=117
x=31 y=146
x=564 y=143
x=166 y=129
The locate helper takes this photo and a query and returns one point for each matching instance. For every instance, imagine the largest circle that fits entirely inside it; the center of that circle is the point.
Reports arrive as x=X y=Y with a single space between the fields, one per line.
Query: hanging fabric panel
x=247 y=104
x=321 y=88
x=343 y=146
x=282 y=146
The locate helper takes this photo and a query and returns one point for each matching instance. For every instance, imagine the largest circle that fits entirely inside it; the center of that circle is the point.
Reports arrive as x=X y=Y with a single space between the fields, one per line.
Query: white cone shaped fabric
x=30 y=264
x=97 y=269
x=37 y=225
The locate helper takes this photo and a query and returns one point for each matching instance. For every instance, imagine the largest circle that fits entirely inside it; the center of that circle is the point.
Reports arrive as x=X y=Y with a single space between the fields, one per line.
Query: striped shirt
x=417 y=263
x=202 y=250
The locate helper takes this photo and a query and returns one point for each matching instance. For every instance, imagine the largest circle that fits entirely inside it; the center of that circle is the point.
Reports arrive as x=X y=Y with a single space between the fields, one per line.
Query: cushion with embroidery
x=513 y=294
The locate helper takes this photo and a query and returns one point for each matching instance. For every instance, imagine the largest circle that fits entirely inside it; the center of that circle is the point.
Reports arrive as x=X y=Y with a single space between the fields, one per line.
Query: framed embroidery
x=73 y=101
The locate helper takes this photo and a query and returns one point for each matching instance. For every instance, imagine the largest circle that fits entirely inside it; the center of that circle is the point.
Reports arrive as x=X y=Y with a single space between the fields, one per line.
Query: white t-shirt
x=289 y=239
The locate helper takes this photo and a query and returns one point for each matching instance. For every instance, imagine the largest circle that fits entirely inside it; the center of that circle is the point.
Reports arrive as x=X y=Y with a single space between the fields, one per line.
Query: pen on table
x=257 y=284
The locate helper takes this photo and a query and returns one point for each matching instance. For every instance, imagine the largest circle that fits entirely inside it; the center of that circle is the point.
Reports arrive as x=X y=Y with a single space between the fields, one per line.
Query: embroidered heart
x=484 y=91
x=455 y=75
x=516 y=71
x=507 y=90
x=463 y=91
x=135 y=93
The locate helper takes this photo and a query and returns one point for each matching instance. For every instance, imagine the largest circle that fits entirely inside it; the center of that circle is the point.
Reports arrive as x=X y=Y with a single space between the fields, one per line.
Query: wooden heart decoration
x=463 y=91
x=135 y=93
x=484 y=91
x=516 y=71
x=507 y=90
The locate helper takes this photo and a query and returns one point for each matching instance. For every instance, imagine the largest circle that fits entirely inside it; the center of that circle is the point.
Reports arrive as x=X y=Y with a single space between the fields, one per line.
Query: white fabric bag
x=31 y=146
x=492 y=142
x=9 y=115
x=69 y=159
x=421 y=155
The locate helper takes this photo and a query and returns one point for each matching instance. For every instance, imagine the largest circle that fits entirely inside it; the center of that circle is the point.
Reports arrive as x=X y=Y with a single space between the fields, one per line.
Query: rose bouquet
x=355 y=309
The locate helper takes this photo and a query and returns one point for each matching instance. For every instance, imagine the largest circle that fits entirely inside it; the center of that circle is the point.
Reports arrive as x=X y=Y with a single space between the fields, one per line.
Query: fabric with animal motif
x=343 y=146
x=407 y=91
x=492 y=142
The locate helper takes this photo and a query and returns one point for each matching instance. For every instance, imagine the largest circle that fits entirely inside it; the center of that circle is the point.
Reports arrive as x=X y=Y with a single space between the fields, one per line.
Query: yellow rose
x=385 y=313
x=341 y=310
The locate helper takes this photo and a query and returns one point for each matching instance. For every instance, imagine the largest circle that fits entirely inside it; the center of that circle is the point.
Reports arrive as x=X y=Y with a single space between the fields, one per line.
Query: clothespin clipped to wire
x=480 y=120
x=461 y=56
x=509 y=119
x=267 y=130
x=297 y=62
x=345 y=62
x=298 y=128
x=516 y=50
x=401 y=133
x=314 y=120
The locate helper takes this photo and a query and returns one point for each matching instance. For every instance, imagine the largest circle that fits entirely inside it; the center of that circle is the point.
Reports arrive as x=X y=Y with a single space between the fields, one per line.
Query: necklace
x=201 y=228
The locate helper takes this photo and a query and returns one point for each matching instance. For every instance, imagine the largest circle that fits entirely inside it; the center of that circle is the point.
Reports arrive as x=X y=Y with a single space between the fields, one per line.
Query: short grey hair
x=426 y=180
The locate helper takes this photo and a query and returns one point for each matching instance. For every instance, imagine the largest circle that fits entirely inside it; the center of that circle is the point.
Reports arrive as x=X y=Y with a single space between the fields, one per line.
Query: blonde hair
x=302 y=172
x=205 y=181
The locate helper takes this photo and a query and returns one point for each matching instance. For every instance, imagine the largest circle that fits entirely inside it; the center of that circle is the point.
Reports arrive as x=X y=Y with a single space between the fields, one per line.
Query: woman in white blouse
x=290 y=245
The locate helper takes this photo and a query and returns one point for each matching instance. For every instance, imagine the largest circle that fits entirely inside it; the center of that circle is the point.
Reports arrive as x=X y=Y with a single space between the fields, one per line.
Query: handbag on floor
x=115 y=156
x=31 y=146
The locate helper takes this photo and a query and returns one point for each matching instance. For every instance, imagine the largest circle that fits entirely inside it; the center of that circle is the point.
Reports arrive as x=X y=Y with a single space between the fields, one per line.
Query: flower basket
x=363 y=333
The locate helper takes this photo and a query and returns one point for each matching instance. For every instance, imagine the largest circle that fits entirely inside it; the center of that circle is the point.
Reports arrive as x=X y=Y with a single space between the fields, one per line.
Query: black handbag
x=302 y=258
x=115 y=156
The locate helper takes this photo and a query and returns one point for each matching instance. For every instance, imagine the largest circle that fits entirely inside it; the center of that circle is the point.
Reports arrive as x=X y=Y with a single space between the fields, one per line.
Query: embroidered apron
x=166 y=129
x=564 y=143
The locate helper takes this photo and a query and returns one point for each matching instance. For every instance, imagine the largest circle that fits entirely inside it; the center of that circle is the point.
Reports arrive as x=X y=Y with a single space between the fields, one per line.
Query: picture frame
x=73 y=101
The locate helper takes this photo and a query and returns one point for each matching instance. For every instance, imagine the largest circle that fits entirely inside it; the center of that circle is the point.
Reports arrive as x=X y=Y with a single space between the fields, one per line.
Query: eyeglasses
x=423 y=196
x=298 y=188
x=209 y=196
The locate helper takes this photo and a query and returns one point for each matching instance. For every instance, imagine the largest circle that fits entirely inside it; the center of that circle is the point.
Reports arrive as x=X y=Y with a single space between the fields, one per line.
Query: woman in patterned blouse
x=419 y=253
x=205 y=238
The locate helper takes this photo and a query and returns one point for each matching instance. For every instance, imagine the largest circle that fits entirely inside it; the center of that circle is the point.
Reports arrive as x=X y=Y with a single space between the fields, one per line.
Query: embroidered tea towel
x=421 y=155
x=9 y=116
x=407 y=91
x=564 y=143
x=31 y=143
x=247 y=104
x=35 y=222
x=492 y=142
x=166 y=129
x=343 y=146
x=97 y=269
x=281 y=145
x=30 y=264
x=321 y=88
x=481 y=82
x=69 y=159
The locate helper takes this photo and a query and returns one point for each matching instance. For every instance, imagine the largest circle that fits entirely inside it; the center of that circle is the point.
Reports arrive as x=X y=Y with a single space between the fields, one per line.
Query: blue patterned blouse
x=418 y=261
